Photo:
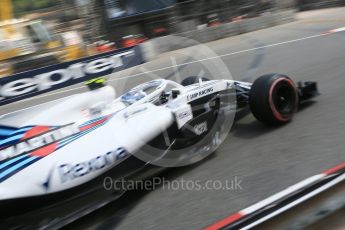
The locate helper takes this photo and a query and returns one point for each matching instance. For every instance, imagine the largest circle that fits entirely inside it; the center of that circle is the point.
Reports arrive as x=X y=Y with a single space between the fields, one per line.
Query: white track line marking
x=176 y=71
x=193 y=62
x=225 y=55
x=282 y=194
x=338 y=30
x=268 y=202
x=296 y=202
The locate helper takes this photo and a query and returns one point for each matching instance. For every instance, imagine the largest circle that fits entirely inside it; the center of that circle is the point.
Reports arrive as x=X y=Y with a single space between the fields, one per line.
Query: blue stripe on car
x=11 y=139
x=73 y=138
x=11 y=161
x=16 y=167
x=92 y=121
x=6 y=132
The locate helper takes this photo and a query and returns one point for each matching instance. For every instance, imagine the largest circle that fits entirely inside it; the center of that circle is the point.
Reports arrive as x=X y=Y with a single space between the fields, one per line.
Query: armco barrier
x=37 y=81
x=157 y=46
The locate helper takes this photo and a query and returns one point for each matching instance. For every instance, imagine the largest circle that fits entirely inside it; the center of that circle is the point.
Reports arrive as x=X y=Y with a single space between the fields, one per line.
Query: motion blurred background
x=35 y=33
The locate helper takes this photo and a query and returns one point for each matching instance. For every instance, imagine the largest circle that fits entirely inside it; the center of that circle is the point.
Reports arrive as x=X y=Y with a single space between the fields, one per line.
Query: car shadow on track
x=306 y=105
x=111 y=215
x=253 y=128
x=248 y=129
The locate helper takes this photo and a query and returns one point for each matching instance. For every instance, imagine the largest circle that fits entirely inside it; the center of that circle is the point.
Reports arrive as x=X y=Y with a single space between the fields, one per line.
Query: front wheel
x=273 y=99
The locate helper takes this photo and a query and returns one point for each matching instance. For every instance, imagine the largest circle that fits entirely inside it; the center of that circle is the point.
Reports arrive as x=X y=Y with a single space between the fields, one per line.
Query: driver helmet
x=96 y=83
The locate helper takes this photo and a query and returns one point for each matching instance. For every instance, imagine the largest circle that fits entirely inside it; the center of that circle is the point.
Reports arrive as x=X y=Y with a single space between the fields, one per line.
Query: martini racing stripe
x=92 y=121
x=22 y=130
x=88 y=125
x=9 y=136
x=18 y=167
x=12 y=161
x=73 y=138
x=11 y=166
x=6 y=132
x=11 y=140
x=9 y=131
x=23 y=161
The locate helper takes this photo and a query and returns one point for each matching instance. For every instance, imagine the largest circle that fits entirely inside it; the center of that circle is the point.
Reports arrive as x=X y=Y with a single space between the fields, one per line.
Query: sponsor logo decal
x=46 y=184
x=201 y=93
x=49 y=78
x=69 y=172
x=43 y=140
x=204 y=85
x=20 y=151
x=184 y=114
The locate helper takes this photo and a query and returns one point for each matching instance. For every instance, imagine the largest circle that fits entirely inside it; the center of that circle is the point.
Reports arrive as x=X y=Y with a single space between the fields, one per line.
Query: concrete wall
x=157 y=46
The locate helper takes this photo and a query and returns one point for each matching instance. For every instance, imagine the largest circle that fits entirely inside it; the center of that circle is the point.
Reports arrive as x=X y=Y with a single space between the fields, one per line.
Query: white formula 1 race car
x=57 y=154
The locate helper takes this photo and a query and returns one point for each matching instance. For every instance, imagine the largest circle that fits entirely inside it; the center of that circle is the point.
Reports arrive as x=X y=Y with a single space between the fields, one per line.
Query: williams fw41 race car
x=57 y=154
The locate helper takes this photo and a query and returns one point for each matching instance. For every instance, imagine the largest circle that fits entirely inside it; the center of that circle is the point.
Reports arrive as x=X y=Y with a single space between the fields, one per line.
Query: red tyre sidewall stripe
x=276 y=114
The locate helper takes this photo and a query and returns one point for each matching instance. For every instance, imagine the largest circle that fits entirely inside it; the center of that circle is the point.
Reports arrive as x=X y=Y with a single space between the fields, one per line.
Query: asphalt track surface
x=265 y=160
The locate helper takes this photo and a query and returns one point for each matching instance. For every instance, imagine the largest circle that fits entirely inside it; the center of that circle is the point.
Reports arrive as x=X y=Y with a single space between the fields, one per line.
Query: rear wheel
x=273 y=99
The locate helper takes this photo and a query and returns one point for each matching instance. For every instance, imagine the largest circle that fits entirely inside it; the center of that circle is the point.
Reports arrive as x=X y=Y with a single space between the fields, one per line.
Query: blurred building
x=149 y=18
x=119 y=20
x=124 y=20
x=317 y=4
x=153 y=18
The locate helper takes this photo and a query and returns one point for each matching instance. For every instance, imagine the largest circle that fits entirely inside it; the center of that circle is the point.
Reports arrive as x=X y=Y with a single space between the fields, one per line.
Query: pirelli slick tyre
x=273 y=99
x=192 y=80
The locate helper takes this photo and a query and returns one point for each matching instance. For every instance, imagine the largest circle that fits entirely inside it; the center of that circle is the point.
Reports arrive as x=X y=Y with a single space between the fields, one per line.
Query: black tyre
x=192 y=80
x=273 y=99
